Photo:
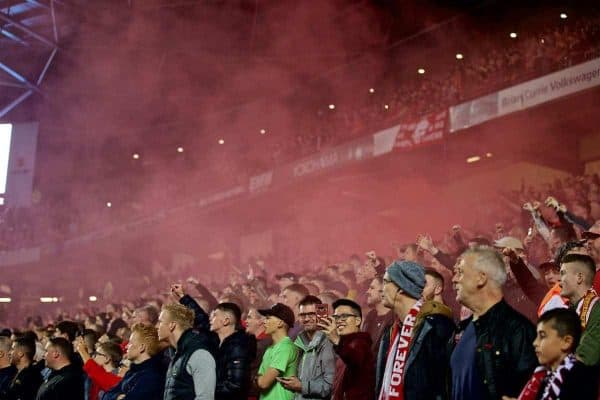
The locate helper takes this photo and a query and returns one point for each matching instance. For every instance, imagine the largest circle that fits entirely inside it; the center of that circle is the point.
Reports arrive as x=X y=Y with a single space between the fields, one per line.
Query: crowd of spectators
x=539 y=230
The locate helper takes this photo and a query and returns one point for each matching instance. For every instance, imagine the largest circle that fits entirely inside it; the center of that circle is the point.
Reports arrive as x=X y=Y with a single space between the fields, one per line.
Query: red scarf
x=395 y=367
x=532 y=387
x=554 y=381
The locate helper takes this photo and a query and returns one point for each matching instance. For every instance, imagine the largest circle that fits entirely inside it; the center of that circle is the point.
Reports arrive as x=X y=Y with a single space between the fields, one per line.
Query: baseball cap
x=280 y=311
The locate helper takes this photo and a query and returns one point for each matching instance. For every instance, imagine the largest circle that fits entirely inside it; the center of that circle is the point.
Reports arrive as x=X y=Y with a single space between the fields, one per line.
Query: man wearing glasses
x=355 y=375
x=316 y=368
x=101 y=367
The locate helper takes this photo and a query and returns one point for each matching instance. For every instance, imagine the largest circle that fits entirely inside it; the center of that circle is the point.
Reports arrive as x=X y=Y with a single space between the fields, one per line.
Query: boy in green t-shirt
x=280 y=359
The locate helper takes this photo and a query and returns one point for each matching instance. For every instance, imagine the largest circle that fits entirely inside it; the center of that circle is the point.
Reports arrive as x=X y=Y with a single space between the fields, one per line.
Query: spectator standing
x=576 y=279
x=291 y=296
x=236 y=352
x=26 y=383
x=411 y=363
x=560 y=375
x=7 y=370
x=255 y=325
x=316 y=368
x=144 y=380
x=101 y=367
x=493 y=355
x=281 y=358
x=354 y=372
x=192 y=373
x=66 y=379
x=380 y=317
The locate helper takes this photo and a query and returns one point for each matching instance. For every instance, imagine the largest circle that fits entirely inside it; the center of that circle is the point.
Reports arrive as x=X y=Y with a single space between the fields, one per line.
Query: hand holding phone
x=322 y=310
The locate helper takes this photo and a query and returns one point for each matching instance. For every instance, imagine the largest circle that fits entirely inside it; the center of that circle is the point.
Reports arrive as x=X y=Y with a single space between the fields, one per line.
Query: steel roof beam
x=14 y=37
x=38 y=3
x=20 y=77
x=15 y=103
x=26 y=29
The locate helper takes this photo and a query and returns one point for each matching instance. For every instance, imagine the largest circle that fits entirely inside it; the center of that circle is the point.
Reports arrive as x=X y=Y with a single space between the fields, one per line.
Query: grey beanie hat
x=408 y=276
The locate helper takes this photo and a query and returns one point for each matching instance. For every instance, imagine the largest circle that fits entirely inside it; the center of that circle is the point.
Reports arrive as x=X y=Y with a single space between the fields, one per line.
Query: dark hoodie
x=354 y=372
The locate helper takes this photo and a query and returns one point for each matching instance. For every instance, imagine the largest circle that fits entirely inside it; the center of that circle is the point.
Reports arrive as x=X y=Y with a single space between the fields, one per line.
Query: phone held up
x=322 y=310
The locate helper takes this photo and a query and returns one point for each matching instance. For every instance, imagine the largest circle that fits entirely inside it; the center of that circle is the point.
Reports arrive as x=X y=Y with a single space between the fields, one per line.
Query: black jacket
x=6 y=376
x=234 y=357
x=427 y=358
x=24 y=385
x=505 y=354
x=64 y=384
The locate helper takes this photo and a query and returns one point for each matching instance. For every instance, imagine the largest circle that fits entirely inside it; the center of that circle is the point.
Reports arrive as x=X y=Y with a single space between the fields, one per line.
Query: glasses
x=344 y=317
x=307 y=315
x=96 y=354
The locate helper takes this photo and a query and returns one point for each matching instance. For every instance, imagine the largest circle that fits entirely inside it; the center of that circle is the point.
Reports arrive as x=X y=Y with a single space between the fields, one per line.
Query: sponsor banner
x=429 y=128
x=22 y=256
x=550 y=87
x=351 y=152
x=260 y=183
x=473 y=112
x=383 y=141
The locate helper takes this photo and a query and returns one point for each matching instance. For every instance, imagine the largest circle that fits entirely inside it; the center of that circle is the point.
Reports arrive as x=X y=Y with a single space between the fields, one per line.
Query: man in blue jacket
x=144 y=380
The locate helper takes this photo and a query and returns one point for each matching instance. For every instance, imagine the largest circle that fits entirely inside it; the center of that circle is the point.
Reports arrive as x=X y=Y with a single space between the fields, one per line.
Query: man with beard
x=380 y=317
x=411 y=363
x=26 y=383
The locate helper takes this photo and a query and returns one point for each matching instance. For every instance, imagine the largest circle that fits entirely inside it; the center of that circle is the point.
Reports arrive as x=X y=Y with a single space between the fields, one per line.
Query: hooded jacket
x=316 y=369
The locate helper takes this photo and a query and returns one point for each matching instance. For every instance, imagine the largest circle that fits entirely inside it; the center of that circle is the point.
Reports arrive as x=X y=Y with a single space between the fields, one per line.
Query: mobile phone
x=322 y=310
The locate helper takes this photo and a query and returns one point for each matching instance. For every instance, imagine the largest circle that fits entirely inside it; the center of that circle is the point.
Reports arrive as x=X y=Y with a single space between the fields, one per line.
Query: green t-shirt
x=282 y=356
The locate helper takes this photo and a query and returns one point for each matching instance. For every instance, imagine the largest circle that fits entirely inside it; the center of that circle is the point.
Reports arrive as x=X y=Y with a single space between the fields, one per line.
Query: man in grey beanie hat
x=411 y=363
x=408 y=276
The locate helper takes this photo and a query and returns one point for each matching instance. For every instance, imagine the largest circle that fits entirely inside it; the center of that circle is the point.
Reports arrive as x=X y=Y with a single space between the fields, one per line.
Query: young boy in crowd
x=560 y=375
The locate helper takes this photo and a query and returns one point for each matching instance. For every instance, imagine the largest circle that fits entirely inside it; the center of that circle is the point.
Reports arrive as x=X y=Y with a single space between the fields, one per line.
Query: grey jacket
x=316 y=369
